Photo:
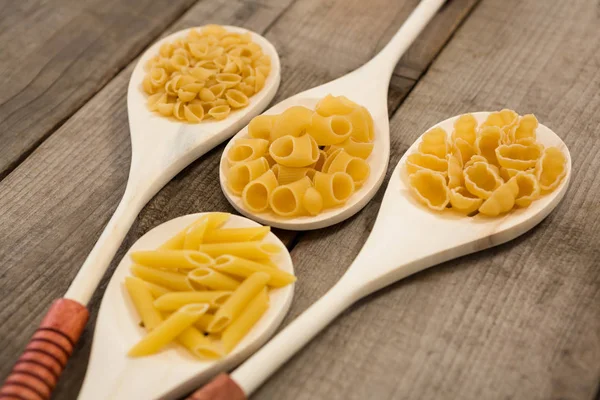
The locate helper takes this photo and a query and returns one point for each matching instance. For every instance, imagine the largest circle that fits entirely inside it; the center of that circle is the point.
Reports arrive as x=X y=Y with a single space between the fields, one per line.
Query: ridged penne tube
x=312 y=201
x=176 y=242
x=287 y=175
x=334 y=188
x=330 y=105
x=329 y=130
x=244 y=150
x=199 y=345
x=240 y=327
x=156 y=290
x=170 y=280
x=194 y=235
x=238 y=300
x=172 y=259
x=168 y=330
x=241 y=174
x=286 y=200
x=356 y=149
x=293 y=151
x=255 y=195
x=142 y=300
x=254 y=250
x=209 y=278
x=175 y=300
x=237 y=234
x=204 y=321
x=430 y=188
x=244 y=268
x=294 y=121
x=260 y=127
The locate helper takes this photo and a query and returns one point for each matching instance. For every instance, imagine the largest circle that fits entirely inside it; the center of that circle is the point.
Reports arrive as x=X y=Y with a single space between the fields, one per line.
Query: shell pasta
x=206 y=75
x=208 y=298
x=488 y=168
x=315 y=159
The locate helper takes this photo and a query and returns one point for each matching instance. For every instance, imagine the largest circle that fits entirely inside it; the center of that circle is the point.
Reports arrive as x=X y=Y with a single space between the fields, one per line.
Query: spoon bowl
x=173 y=372
x=407 y=238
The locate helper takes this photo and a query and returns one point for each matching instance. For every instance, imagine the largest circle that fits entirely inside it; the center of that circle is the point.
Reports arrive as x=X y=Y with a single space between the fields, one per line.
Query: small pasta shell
x=236 y=98
x=219 y=112
x=465 y=149
x=418 y=161
x=435 y=142
x=526 y=128
x=455 y=171
x=488 y=139
x=481 y=180
x=229 y=80
x=501 y=200
x=551 y=168
x=463 y=201
x=518 y=156
x=194 y=113
x=430 y=188
x=529 y=189
x=465 y=128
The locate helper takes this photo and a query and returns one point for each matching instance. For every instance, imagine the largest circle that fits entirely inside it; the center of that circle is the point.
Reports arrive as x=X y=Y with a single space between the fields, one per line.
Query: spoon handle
x=36 y=372
x=254 y=371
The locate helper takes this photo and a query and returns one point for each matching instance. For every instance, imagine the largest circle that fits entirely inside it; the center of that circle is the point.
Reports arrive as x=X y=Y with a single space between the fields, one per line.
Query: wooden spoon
x=172 y=372
x=367 y=86
x=161 y=148
x=406 y=238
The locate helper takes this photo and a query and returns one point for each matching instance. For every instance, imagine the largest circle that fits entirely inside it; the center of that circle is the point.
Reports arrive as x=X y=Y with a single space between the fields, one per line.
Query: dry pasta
x=187 y=297
x=488 y=168
x=316 y=159
x=205 y=75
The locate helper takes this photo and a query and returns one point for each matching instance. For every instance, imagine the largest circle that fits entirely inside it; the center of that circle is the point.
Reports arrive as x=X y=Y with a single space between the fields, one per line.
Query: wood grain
x=56 y=55
x=519 y=321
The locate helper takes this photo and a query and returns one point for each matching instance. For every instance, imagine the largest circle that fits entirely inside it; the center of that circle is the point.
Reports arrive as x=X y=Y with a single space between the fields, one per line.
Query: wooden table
x=520 y=321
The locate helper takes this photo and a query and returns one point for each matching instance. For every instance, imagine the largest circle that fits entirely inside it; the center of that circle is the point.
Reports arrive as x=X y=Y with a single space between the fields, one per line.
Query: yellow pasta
x=172 y=259
x=481 y=180
x=167 y=279
x=198 y=344
x=205 y=75
x=168 y=330
x=204 y=321
x=156 y=290
x=526 y=128
x=253 y=250
x=551 y=168
x=286 y=200
x=211 y=279
x=434 y=142
x=293 y=122
x=330 y=105
x=518 y=156
x=488 y=139
x=243 y=268
x=356 y=167
x=244 y=150
x=430 y=188
x=194 y=235
x=329 y=130
x=465 y=129
x=176 y=300
x=464 y=149
x=239 y=299
x=418 y=161
x=501 y=200
x=261 y=126
x=237 y=234
x=241 y=174
x=240 y=327
x=529 y=189
x=287 y=175
x=355 y=149
x=256 y=193
x=142 y=300
x=463 y=201
x=455 y=171
x=312 y=201
x=294 y=151
x=335 y=189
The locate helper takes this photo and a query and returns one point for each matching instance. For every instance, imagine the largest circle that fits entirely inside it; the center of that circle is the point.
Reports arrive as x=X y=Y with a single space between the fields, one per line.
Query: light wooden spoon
x=173 y=372
x=161 y=148
x=367 y=86
x=406 y=238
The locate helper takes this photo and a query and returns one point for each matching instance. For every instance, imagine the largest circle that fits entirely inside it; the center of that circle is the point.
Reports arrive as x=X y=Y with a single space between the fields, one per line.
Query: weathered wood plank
x=56 y=55
x=59 y=199
x=519 y=321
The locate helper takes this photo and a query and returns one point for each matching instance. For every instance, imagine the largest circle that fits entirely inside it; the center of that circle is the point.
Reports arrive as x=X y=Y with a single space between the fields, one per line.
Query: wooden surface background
x=520 y=321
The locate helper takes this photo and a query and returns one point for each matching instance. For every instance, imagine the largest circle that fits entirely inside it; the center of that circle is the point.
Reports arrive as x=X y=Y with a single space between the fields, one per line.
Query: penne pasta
x=239 y=299
x=142 y=300
x=240 y=327
x=237 y=234
x=156 y=290
x=172 y=259
x=167 y=279
x=168 y=330
x=175 y=300
x=195 y=234
x=211 y=279
x=253 y=250
x=201 y=346
x=204 y=321
x=243 y=268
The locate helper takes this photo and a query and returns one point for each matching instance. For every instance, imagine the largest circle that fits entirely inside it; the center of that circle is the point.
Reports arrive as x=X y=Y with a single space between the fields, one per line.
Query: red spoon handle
x=36 y=372
x=220 y=388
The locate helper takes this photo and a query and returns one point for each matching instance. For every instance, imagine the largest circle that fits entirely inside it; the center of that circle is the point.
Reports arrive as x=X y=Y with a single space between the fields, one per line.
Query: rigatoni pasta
x=207 y=298
x=315 y=159
x=206 y=75
x=490 y=168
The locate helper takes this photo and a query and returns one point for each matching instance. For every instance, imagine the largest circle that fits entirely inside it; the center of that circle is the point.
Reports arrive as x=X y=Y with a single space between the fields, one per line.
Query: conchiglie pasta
x=209 y=67
x=294 y=151
x=465 y=149
x=430 y=188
